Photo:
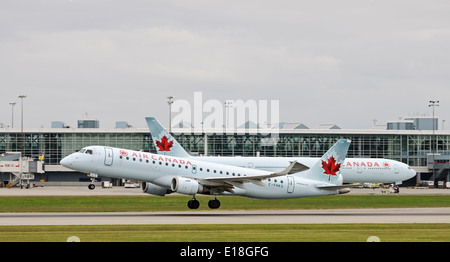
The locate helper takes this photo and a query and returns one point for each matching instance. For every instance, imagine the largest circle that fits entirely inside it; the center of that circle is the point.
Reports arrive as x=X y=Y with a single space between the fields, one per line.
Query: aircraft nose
x=65 y=162
x=412 y=172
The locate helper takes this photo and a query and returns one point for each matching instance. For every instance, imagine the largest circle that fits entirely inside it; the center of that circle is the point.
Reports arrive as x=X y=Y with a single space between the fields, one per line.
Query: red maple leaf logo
x=164 y=144
x=123 y=153
x=330 y=167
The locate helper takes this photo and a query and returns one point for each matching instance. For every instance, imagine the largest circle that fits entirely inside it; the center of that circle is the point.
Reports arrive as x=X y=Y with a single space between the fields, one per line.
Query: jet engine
x=186 y=186
x=344 y=191
x=153 y=189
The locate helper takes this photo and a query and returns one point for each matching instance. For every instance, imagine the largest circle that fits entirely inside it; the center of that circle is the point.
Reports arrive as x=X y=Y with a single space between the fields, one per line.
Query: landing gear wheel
x=193 y=204
x=214 y=204
x=91 y=186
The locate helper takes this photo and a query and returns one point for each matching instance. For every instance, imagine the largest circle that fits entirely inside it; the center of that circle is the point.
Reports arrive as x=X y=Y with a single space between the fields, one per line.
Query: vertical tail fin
x=328 y=168
x=164 y=143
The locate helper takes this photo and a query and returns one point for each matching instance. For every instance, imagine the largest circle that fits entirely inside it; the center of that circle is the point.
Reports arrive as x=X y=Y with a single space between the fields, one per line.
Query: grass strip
x=230 y=233
x=179 y=203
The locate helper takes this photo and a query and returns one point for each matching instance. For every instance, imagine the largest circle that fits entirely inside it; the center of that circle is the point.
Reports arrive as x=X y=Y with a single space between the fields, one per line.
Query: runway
x=319 y=216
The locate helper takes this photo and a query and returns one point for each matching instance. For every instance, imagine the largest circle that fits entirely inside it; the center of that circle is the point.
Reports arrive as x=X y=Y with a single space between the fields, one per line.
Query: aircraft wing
x=227 y=183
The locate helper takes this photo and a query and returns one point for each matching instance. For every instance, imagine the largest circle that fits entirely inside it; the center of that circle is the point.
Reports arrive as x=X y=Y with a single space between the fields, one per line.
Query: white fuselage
x=354 y=170
x=161 y=170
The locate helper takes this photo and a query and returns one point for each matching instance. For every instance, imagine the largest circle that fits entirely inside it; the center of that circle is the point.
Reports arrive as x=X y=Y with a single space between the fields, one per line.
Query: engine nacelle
x=344 y=191
x=153 y=189
x=186 y=186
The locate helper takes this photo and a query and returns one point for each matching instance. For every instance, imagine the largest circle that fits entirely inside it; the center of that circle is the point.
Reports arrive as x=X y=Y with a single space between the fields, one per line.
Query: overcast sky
x=344 y=62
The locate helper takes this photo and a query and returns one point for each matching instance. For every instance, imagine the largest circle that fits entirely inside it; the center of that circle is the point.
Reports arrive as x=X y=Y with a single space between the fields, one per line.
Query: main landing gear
x=194 y=203
x=214 y=203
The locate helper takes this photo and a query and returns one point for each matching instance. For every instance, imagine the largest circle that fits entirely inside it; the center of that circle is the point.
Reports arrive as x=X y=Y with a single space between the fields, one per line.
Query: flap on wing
x=328 y=187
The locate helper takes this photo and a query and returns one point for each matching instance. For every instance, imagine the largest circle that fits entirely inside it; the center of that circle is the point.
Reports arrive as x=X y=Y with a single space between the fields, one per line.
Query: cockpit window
x=86 y=151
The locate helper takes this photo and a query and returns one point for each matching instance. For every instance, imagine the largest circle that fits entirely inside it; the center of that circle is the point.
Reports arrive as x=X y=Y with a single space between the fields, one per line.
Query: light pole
x=170 y=102
x=433 y=103
x=12 y=113
x=21 y=124
x=228 y=104
x=21 y=140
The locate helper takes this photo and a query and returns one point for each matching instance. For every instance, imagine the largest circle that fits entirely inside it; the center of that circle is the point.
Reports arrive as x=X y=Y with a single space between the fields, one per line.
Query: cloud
x=122 y=59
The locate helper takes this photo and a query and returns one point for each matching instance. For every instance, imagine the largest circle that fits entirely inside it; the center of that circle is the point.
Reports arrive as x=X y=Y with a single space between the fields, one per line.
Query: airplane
x=354 y=170
x=166 y=174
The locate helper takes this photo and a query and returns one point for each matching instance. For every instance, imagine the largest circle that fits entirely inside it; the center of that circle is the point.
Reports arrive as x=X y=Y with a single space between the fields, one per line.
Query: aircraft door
x=291 y=184
x=108 y=156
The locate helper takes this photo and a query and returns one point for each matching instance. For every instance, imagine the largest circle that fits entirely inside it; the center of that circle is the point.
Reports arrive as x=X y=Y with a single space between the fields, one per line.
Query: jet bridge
x=21 y=170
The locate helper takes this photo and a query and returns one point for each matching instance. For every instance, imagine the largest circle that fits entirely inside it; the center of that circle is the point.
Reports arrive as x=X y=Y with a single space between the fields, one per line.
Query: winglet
x=294 y=167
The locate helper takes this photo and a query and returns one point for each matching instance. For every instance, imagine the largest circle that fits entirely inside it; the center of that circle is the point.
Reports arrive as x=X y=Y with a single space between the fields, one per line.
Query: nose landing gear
x=93 y=176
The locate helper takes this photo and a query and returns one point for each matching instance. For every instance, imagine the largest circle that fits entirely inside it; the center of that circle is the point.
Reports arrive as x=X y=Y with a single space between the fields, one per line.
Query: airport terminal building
x=413 y=147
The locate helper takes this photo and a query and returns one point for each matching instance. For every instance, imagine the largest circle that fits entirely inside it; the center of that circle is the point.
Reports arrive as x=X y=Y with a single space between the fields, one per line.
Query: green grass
x=230 y=233
x=221 y=233
x=178 y=203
